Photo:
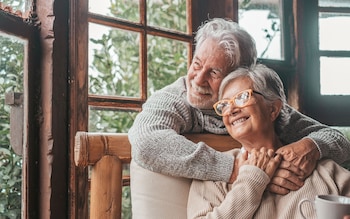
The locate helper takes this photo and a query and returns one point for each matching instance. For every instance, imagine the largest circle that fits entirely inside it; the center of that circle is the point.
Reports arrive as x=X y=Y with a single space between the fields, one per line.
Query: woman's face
x=252 y=120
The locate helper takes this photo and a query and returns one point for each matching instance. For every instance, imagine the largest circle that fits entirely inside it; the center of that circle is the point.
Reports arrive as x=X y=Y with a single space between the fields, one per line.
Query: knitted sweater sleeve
x=158 y=146
x=208 y=199
x=330 y=142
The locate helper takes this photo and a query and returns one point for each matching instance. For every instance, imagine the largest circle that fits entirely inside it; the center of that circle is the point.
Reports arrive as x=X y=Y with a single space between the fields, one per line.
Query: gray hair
x=238 y=43
x=268 y=83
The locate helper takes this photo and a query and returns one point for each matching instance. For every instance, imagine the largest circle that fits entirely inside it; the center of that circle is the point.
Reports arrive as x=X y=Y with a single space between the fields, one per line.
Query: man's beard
x=203 y=101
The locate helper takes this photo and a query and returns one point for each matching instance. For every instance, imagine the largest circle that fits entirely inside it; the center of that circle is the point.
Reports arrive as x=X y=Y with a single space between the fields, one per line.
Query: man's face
x=208 y=68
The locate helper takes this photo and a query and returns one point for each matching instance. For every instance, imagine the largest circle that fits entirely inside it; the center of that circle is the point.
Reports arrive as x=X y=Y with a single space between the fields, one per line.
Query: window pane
x=128 y=10
x=110 y=121
x=334 y=31
x=12 y=64
x=263 y=20
x=167 y=61
x=167 y=14
x=334 y=76
x=113 y=61
x=334 y=3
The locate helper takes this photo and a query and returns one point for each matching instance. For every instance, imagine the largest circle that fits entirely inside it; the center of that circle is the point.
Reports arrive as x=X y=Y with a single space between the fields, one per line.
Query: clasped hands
x=288 y=167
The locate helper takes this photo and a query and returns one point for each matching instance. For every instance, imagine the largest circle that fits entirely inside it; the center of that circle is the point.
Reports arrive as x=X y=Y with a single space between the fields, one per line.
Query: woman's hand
x=265 y=159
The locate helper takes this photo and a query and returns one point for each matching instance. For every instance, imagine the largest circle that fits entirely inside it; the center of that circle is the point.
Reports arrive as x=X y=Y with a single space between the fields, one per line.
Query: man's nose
x=201 y=77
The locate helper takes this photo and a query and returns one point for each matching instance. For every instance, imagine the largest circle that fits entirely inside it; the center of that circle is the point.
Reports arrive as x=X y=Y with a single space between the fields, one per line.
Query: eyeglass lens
x=242 y=98
x=239 y=100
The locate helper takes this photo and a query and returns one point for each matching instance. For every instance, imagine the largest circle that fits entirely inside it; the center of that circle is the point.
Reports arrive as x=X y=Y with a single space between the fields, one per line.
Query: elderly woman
x=253 y=109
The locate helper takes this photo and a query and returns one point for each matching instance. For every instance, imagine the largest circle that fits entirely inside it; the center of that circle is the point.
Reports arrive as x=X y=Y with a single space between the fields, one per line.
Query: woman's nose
x=232 y=110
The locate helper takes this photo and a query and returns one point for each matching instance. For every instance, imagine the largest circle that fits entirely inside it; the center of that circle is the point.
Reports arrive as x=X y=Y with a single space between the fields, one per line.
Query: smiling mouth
x=239 y=120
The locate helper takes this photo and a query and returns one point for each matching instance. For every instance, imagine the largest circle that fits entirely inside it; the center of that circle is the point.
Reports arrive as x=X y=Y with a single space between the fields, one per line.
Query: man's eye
x=196 y=65
x=215 y=75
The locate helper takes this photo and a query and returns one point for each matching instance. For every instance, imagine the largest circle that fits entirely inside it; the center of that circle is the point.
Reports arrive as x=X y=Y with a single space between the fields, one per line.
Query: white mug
x=328 y=206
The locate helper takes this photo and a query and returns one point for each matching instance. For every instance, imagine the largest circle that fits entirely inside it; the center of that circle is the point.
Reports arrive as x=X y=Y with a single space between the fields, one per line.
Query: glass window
x=263 y=20
x=167 y=61
x=334 y=76
x=134 y=48
x=334 y=3
x=124 y=9
x=167 y=14
x=12 y=64
x=334 y=47
x=112 y=121
x=334 y=31
x=113 y=61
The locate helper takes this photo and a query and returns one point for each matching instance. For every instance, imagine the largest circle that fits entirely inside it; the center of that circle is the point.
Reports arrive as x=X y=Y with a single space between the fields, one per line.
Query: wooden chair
x=106 y=153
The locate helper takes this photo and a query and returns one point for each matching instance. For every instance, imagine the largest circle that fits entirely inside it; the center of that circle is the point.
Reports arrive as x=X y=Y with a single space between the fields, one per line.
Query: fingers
x=292 y=168
x=277 y=189
x=288 y=178
x=302 y=157
x=264 y=159
x=284 y=181
x=272 y=165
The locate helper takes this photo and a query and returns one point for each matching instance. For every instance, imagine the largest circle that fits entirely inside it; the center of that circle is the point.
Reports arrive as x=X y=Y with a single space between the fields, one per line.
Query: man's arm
x=158 y=146
x=300 y=156
x=330 y=142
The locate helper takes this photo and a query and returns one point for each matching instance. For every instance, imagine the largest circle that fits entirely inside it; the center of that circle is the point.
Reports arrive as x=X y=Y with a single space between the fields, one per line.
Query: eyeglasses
x=223 y=107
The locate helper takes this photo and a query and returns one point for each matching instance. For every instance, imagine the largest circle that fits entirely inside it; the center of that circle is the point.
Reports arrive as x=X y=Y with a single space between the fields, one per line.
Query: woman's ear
x=276 y=107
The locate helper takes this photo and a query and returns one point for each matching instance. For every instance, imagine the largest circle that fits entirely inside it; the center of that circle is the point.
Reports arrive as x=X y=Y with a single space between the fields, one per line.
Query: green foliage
x=126 y=202
x=11 y=79
x=10 y=183
x=110 y=121
x=115 y=65
x=167 y=14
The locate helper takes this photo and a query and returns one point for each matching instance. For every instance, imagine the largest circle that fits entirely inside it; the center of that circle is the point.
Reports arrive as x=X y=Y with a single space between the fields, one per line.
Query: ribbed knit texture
x=247 y=198
x=157 y=147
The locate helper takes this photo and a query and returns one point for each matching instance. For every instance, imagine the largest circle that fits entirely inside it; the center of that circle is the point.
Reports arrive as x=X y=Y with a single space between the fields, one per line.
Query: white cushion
x=157 y=196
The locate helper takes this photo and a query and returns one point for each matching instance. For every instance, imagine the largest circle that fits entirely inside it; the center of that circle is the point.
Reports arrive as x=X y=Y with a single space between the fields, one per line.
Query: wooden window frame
x=16 y=26
x=328 y=109
x=133 y=103
x=201 y=10
x=81 y=100
x=287 y=68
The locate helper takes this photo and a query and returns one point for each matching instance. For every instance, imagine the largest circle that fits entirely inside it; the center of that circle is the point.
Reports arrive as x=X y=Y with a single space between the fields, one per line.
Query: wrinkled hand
x=299 y=161
x=265 y=159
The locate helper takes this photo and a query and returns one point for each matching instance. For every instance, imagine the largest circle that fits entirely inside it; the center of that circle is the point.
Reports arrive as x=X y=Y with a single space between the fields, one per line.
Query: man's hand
x=299 y=161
